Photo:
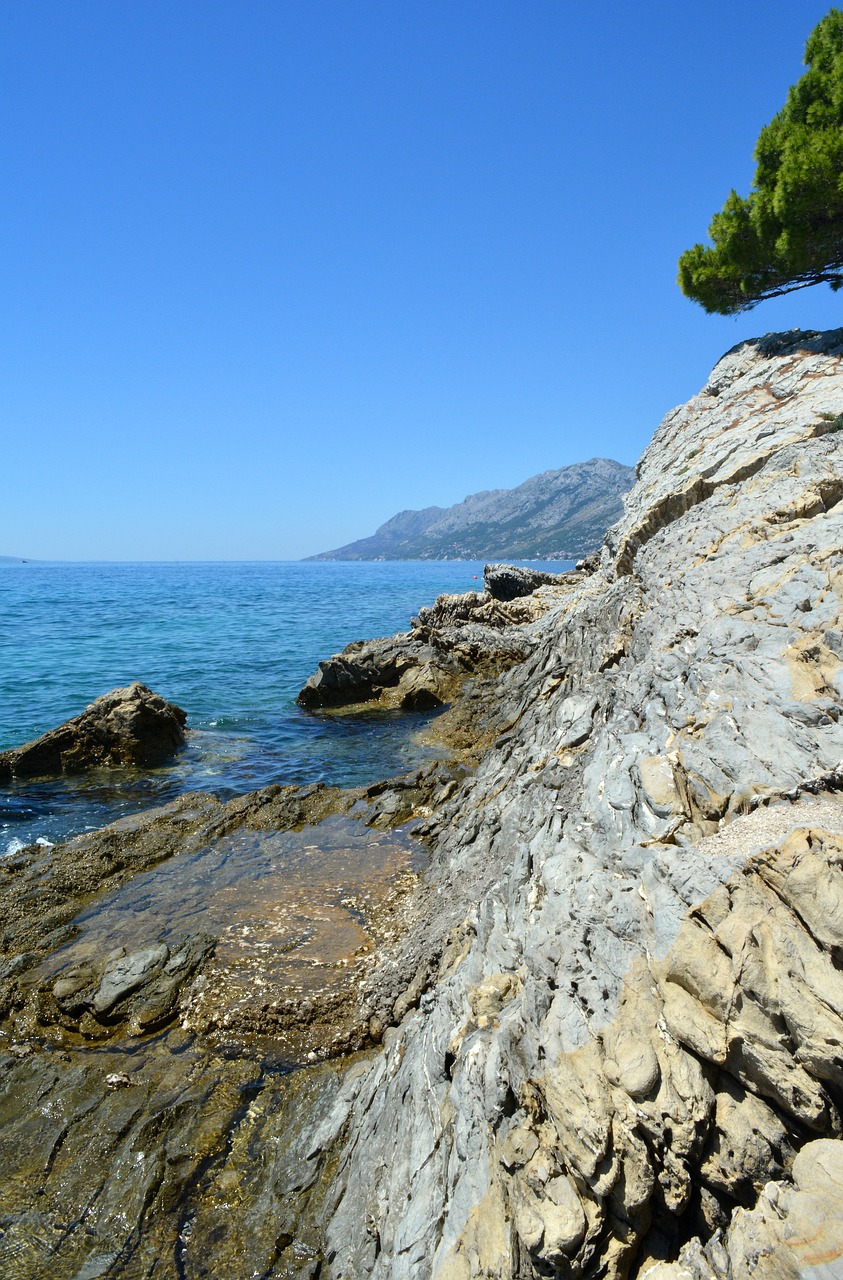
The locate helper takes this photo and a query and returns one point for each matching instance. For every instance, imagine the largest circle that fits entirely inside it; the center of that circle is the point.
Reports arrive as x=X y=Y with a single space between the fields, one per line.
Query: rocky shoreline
x=587 y=1015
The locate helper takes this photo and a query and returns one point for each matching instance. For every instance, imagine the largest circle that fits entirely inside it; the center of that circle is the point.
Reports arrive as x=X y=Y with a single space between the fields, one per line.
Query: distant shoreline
x=9 y=561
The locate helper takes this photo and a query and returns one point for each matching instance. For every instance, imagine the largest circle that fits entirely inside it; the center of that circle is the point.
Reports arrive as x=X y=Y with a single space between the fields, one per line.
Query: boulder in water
x=131 y=726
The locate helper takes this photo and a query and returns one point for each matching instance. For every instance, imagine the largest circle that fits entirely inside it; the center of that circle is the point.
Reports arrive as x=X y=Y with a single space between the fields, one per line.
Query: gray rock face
x=131 y=726
x=558 y=515
x=583 y=1081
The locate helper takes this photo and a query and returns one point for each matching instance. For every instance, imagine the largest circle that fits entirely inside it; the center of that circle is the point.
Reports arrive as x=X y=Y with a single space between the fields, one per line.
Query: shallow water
x=357 y=751
x=287 y=909
x=241 y=878
x=231 y=643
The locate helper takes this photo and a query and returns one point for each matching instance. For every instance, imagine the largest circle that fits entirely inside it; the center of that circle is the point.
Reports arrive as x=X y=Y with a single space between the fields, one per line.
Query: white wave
x=15 y=845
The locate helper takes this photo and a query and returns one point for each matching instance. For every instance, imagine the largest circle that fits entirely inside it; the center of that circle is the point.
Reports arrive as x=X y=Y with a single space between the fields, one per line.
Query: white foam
x=15 y=845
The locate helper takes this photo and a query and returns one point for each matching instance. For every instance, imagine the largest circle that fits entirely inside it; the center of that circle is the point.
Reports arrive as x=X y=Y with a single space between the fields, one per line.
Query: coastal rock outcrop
x=509 y=581
x=471 y=636
x=131 y=726
x=795 y=1230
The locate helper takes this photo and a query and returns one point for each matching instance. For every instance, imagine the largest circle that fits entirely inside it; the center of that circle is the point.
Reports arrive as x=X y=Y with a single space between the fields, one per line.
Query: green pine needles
x=788 y=233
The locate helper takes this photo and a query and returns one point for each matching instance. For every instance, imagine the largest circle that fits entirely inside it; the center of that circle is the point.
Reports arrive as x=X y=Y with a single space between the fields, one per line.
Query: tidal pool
x=291 y=914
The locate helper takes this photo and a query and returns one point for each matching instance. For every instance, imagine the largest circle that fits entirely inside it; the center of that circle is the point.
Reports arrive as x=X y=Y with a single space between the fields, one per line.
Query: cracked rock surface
x=460 y=638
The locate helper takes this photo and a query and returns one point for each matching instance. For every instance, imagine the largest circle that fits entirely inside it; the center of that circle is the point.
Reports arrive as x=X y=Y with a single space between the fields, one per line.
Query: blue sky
x=273 y=271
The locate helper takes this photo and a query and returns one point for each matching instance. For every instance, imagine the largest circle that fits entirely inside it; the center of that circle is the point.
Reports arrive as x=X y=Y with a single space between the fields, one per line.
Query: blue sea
x=230 y=643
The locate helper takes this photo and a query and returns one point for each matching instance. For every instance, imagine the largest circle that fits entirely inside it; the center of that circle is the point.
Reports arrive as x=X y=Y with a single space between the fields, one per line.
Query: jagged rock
x=363 y=671
x=423 y=688
x=451 y=612
x=131 y=726
x=795 y=1232
x=459 y=637
x=695 y=671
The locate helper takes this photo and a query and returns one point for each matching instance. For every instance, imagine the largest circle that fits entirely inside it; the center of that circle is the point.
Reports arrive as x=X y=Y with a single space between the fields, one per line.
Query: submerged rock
x=139 y=988
x=131 y=1075
x=131 y=726
x=103 y=935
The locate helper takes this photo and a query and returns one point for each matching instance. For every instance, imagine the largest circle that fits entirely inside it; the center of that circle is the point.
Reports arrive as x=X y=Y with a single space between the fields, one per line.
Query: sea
x=231 y=643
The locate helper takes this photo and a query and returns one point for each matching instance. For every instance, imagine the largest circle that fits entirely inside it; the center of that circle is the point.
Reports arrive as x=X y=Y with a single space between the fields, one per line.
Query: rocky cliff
x=609 y=1009
x=558 y=515
x=630 y=1013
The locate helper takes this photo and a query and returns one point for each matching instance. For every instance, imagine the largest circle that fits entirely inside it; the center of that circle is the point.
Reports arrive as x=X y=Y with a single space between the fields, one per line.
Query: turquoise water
x=231 y=643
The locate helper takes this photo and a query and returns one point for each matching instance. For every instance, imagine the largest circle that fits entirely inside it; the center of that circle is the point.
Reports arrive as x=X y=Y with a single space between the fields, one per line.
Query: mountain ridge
x=557 y=514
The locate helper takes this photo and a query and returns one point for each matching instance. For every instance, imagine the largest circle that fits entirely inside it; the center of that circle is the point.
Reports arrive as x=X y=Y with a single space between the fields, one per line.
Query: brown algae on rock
x=148 y=1039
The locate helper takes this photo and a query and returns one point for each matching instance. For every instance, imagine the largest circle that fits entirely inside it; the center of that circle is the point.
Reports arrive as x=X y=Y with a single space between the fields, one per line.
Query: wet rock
x=41 y=891
x=143 y=983
x=131 y=726
x=132 y=992
x=124 y=974
x=114 y=1143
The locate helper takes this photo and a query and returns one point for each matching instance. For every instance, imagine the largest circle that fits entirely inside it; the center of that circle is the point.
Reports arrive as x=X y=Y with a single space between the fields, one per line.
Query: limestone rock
x=670 y=1042
x=140 y=988
x=794 y=1233
x=131 y=726
x=459 y=637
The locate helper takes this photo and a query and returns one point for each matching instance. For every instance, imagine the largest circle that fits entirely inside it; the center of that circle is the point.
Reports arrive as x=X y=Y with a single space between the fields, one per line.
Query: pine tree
x=788 y=233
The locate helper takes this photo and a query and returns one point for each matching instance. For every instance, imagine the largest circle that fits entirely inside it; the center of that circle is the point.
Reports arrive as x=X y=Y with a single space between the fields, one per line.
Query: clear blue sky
x=273 y=270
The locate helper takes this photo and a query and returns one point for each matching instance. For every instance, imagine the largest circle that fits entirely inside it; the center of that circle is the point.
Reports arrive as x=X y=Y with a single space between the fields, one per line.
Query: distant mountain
x=558 y=515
